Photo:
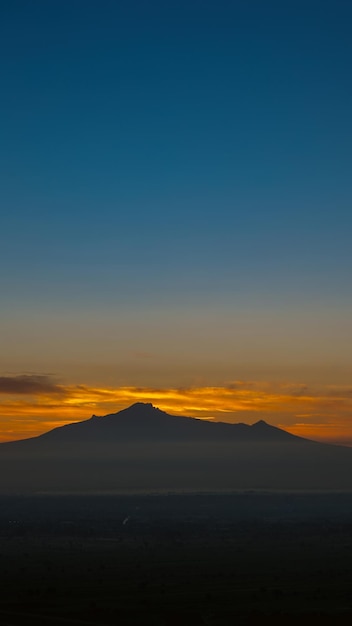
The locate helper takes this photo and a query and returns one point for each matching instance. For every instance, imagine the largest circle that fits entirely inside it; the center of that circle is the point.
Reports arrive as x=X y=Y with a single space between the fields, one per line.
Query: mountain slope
x=143 y=448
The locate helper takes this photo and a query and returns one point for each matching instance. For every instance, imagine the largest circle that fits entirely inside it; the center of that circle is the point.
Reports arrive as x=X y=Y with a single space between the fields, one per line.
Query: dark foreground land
x=217 y=560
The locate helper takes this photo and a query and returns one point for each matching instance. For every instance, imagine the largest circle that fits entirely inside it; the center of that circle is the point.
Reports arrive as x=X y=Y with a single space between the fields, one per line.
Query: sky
x=175 y=221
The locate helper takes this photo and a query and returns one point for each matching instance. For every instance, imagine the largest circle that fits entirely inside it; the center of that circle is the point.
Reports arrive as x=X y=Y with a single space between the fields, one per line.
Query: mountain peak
x=142 y=405
x=140 y=409
x=261 y=424
x=140 y=415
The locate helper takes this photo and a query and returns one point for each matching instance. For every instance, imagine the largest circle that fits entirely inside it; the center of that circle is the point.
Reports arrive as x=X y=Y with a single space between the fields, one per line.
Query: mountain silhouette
x=142 y=448
x=144 y=422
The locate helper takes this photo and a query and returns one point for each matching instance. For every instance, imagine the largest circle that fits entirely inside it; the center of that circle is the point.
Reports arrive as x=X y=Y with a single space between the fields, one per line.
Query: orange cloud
x=31 y=405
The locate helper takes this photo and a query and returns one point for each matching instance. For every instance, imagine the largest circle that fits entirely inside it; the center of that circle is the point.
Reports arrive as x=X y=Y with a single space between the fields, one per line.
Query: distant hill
x=143 y=448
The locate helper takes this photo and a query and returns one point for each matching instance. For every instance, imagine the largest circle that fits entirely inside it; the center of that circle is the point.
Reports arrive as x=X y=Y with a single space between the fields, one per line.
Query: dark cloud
x=29 y=384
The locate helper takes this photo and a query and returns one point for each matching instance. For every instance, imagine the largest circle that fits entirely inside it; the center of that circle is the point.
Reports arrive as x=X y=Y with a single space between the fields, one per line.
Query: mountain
x=143 y=422
x=143 y=448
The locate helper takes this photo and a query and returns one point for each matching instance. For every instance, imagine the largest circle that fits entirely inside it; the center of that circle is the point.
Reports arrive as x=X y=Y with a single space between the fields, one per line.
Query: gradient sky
x=176 y=211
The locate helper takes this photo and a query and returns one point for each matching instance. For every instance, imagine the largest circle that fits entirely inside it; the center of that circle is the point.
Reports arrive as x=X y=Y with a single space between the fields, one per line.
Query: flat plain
x=162 y=560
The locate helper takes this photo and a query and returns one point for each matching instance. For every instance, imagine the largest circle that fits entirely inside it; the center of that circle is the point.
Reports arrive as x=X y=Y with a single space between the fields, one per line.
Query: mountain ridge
x=145 y=422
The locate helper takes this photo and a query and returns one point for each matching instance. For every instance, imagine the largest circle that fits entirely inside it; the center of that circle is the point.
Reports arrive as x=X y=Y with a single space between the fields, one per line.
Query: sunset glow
x=31 y=405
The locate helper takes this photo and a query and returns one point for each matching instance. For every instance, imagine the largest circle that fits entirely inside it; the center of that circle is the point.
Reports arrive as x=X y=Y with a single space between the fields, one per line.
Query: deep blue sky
x=179 y=157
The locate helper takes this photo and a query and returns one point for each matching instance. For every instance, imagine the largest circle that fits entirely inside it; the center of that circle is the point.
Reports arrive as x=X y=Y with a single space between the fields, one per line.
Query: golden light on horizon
x=31 y=405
